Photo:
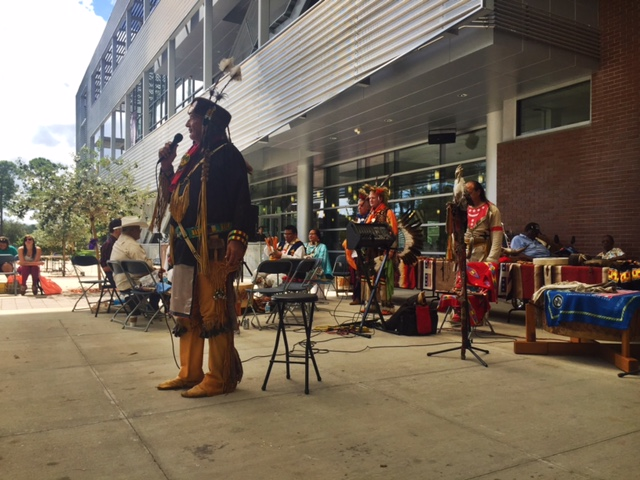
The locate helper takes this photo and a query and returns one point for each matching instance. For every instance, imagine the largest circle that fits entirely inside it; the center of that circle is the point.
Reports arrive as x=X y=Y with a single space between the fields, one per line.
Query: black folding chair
x=107 y=287
x=281 y=269
x=80 y=262
x=302 y=280
x=134 y=270
x=341 y=270
x=126 y=298
x=302 y=277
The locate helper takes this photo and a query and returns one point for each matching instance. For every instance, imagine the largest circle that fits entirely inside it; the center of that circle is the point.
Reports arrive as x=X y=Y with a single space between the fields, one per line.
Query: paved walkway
x=13 y=304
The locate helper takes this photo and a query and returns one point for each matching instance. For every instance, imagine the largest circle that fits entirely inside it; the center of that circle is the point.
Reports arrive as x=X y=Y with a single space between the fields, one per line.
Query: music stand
x=459 y=225
x=378 y=236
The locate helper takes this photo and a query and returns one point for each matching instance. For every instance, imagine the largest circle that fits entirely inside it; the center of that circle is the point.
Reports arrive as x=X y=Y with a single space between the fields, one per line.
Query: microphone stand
x=463 y=296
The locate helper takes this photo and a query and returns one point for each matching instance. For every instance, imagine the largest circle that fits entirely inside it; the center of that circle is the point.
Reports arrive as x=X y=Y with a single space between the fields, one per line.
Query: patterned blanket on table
x=613 y=310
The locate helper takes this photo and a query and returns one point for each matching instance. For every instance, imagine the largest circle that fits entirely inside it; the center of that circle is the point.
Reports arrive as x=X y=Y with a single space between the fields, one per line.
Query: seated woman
x=7 y=249
x=29 y=255
x=316 y=249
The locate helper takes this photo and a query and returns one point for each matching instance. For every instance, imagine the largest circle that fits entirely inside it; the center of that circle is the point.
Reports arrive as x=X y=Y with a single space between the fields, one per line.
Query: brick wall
x=586 y=181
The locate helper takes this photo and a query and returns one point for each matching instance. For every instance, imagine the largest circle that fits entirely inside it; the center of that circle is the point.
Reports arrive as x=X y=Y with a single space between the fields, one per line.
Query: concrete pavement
x=78 y=401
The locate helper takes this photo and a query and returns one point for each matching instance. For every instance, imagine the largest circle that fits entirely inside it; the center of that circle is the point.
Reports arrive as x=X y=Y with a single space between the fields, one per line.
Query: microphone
x=174 y=143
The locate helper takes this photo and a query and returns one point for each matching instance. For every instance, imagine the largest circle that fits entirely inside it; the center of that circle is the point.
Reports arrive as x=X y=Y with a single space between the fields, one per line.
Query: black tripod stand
x=459 y=225
x=373 y=289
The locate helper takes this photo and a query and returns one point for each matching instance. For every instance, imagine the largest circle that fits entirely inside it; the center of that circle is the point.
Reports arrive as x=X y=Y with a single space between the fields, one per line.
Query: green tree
x=8 y=188
x=45 y=193
x=15 y=231
x=102 y=194
x=74 y=204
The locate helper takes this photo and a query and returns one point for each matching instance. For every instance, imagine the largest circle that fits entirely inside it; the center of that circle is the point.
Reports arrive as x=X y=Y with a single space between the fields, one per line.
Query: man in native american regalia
x=209 y=201
x=381 y=213
x=484 y=226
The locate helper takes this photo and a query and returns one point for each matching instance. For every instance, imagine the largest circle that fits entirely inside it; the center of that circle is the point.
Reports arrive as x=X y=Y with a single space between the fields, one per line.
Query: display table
x=587 y=319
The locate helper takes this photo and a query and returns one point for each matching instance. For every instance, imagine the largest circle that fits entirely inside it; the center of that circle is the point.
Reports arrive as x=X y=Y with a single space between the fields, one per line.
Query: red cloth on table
x=590 y=275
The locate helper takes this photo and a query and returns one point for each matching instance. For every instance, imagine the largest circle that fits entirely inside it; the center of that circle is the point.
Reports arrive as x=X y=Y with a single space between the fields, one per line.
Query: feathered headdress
x=410 y=237
x=381 y=190
x=213 y=113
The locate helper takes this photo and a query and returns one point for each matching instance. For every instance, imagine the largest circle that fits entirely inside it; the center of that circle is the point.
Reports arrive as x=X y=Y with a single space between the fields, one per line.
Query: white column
x=128 y=27
x=114 y=55
x=145 y=105
x=305 y=197
x=207 y=44
x=113 y=135
x=494 y=137
x=101 y=152
x=127 y=121
x=263 y=22
x=171 y=78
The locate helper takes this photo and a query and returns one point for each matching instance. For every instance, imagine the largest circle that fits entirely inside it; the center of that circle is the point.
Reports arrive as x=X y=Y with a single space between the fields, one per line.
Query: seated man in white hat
x=128 y=248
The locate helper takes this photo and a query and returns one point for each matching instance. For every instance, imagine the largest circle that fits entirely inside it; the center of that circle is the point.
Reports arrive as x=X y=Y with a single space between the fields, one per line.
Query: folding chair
x=134 y=270
x=341 y=270
x=301 y=281
x=320 y=279
x=107 y=288
x=302 y=277
x=280 y=268
x=14 y=273
x=80 y=262
x=125 y=297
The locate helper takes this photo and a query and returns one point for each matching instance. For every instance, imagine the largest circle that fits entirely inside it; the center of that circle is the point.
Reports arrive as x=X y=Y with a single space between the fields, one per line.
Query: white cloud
x=45 y=48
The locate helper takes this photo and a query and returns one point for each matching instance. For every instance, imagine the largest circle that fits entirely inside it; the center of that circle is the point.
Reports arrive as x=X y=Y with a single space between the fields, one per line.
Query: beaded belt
x=194 y=232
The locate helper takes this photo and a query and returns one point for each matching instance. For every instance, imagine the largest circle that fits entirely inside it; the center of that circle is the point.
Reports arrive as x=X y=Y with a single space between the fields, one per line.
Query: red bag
x=426 y=319
x=49 y=287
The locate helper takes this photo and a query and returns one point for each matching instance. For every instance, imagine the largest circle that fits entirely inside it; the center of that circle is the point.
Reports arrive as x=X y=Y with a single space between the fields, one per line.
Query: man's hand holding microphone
x=167 y=153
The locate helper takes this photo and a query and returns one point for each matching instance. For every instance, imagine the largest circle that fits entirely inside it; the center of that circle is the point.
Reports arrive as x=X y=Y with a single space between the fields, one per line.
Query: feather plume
x=384 y=181
x=410 y=229
x=226 y=64
x=234 y=73
x=458 y=189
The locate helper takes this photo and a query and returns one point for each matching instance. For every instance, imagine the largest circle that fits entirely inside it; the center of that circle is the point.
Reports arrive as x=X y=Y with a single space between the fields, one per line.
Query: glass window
x=423 y=182
x=558 y=108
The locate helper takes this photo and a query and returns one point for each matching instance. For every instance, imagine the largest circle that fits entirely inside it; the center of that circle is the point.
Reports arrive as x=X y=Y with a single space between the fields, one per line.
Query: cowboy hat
x=133 y=222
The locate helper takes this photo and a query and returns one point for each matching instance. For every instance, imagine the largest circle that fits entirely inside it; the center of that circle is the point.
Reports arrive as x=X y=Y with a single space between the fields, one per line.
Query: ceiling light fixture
x=357 y=131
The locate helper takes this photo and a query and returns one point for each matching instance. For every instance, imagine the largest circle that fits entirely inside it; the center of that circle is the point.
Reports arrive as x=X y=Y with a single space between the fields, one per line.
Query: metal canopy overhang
x=453 y=82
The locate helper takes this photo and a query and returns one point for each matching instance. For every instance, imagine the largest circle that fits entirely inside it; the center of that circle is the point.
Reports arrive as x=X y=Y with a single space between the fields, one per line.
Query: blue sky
x=103 y=7
x=45 y=49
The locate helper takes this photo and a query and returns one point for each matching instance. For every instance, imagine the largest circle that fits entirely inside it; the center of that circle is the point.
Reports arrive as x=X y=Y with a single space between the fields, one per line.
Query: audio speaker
x=438 y=138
